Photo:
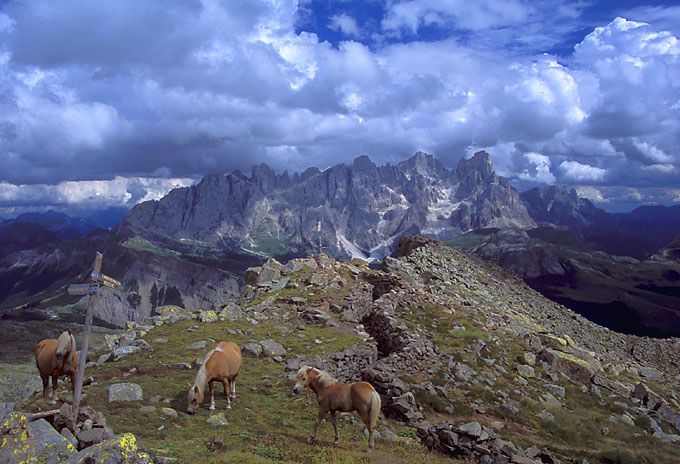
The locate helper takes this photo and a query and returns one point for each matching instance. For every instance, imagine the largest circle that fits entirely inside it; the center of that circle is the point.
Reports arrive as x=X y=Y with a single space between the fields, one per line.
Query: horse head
x=65 y=345
x=304 y=376
x=194 y=398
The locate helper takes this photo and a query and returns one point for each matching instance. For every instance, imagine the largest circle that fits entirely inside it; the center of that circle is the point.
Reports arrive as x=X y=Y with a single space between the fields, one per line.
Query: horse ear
x=61 y=331
x=69 y=332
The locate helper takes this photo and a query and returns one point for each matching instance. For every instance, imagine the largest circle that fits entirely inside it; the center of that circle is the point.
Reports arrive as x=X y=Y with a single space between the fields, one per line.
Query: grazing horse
x=335 y=396
x=55 y=358
x=221 y=364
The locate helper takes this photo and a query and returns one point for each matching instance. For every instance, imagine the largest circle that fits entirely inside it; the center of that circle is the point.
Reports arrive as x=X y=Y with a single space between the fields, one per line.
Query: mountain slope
x=467 y=359
x=624 y=294
x=38 y=278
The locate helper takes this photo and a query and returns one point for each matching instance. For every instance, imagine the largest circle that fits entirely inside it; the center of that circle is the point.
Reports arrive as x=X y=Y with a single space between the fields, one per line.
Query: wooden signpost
x=92 y=289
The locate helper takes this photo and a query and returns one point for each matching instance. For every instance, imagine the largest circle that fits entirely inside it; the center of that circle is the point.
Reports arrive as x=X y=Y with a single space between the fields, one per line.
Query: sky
x=112 y=102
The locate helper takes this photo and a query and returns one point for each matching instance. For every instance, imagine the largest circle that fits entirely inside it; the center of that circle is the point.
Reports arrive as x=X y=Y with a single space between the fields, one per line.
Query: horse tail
x=374 y=409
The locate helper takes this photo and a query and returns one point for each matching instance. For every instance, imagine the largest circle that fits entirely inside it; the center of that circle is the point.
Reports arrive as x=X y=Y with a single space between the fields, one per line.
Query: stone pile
x=474 y=441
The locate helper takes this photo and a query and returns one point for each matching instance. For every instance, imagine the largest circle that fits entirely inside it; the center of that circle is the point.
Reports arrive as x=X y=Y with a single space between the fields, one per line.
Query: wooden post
x=92 y=289
x=82 y=360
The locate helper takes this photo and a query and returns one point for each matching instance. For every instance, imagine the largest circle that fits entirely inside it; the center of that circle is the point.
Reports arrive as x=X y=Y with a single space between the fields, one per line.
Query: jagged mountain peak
x=423 y=164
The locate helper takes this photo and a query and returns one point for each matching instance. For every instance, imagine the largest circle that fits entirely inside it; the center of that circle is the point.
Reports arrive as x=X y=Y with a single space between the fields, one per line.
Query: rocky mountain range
x=228 y=222
x=362 y=210
x=359 y=210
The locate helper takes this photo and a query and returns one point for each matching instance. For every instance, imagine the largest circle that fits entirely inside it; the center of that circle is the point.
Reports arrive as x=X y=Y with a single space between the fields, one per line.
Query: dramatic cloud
x=178 y=89
x=575 y=171
x=86 y=195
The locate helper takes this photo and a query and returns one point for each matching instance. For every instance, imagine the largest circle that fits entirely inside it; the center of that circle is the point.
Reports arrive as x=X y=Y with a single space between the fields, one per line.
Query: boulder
x=217 y=420
x=556 y=390
x=35 y=442
x=577 y=369
x=526 y=371
x=198 y=345
x=551 y=341
x=207 y=316
x=169 y=310
x=170 y=413
x=646 y=396
x=529 y=359
x=472 y=429
x=270 y=348
x=650 y=373
x=122 y=449
x=231 y=311
x=124 y=392
x=253 y=349
x=179 y=366
x=123 y=351
x=90 y=437
x=615 y=386
x=50 y=446
x=140 y=343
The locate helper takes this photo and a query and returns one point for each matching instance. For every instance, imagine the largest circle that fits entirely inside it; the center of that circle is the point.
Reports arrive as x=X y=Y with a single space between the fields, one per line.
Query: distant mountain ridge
x=69 y=227
x=360 y=210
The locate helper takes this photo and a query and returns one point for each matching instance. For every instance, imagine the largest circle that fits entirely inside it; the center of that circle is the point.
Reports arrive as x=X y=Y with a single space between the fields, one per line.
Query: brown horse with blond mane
x=221 y=364
x=335 y=396
x=55 y=358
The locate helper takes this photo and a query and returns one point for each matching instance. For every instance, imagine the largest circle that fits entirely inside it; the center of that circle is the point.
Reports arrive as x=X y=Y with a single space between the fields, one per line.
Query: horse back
x=225 y=361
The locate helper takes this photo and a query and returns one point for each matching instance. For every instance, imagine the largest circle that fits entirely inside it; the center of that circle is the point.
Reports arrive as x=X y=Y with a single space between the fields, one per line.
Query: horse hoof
x=211 y=408
x=228 y=407
x=311 y=440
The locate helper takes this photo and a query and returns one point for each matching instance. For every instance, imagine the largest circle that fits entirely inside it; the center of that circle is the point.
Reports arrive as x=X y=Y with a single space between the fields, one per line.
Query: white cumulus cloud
x=577 y=172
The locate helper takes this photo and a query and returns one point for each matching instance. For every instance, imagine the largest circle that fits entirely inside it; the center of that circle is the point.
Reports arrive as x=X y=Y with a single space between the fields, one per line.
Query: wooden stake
x=82 y=360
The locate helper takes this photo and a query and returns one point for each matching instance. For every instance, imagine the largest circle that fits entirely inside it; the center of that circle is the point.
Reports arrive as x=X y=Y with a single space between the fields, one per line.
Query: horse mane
x=202 y=375
x=72 y=354
x=323 y=378
x=72 y=351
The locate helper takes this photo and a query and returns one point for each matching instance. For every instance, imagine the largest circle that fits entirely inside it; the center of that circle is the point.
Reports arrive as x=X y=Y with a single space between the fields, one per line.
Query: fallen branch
x=42 y=415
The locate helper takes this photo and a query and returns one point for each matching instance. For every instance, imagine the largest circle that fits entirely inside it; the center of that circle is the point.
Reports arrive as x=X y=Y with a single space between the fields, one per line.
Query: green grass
x=268 y=422
x=141 y=244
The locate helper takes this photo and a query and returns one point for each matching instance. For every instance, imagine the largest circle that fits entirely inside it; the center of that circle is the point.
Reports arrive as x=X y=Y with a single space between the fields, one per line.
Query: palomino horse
x=55 y=358
x=221 y=364
x=335 y=396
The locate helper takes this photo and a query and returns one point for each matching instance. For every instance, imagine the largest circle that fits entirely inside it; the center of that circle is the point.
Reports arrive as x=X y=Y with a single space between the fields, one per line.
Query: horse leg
x=55 y=381
x=232 y=388
x=227 y=387
x=319 y=418
x=212 y=396
x=46 y=385
x=335 y=426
